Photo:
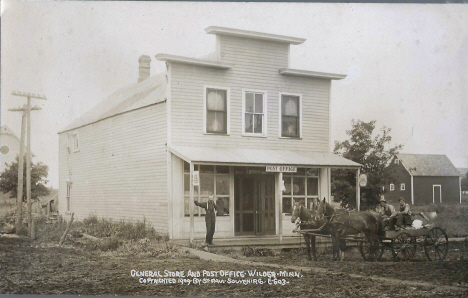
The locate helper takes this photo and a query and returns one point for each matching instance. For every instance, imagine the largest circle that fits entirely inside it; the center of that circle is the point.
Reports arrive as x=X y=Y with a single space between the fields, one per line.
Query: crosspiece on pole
x=29 y=94
x=35 y=108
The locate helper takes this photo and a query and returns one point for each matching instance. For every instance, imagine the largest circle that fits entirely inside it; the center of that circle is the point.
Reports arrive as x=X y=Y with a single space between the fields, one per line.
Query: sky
x=407 y=64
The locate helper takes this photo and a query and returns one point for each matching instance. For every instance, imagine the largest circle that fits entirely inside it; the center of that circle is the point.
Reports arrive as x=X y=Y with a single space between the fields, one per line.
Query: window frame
x=392 y=187
x=402 y=186
x=75 y=135
x=69 y=185
x=228 y=102
x=265 y=113
x=280 y=114
x=198 y=211
x=305 y=196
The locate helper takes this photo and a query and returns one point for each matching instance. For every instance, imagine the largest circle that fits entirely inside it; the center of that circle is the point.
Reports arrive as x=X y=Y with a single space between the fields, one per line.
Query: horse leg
x=342 y=249
x=312 y=238
x=335 y=246
x=307 y=241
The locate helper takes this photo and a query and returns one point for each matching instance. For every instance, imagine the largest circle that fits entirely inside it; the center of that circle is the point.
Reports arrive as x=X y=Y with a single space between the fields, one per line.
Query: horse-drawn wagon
x=403 y=244
x=366 y=230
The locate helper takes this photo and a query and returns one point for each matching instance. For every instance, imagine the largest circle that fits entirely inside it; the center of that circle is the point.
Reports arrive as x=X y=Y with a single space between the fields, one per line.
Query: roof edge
x=193 y=61
x=254 y=35
x=312 y=74
x=113 y=115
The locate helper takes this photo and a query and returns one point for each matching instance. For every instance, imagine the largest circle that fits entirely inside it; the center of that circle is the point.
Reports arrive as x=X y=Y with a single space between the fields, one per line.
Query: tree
x=373 y=153
x=9 y=180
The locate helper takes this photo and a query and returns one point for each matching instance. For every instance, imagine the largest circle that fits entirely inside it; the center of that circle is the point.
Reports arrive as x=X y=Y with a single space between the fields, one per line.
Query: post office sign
x=284 y=169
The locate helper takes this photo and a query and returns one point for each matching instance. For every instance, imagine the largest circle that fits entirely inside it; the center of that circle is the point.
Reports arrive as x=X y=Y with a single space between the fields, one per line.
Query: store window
x=302 y=186
x=214 y=180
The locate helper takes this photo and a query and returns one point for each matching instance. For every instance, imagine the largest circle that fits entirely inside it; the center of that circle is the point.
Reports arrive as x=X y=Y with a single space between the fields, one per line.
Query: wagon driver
x=388 y=213
x=210 y=218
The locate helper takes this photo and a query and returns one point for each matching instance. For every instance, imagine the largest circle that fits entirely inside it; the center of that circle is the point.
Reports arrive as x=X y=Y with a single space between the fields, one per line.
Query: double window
x=290 y=116
x=217 y=112
x=214 y=181
x=254 y=113
x=302 y=186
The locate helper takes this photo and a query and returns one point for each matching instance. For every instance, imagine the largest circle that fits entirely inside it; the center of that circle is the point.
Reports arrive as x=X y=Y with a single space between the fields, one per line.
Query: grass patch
x=125 y=230
x=452 y=218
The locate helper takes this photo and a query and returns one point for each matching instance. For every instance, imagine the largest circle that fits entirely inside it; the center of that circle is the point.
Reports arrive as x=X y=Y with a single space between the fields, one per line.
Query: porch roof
x=242 y=156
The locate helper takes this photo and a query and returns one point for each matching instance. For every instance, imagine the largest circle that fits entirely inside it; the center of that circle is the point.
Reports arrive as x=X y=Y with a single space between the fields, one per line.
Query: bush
x=101 y=227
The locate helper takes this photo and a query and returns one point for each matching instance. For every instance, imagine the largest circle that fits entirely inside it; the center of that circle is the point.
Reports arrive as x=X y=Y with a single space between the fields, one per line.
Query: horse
x=309 y=221
x=346 y=223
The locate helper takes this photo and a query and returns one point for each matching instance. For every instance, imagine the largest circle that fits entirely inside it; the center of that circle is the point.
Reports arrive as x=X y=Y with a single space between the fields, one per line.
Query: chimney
x=144 y=67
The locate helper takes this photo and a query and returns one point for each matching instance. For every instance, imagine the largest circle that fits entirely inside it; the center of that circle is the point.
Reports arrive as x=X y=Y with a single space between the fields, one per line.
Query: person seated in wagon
x=388 y=213
x=404 y=215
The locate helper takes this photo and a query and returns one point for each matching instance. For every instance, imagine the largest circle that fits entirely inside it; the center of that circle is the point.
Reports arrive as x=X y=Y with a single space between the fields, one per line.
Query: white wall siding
x=120 y=170
x=256 y=66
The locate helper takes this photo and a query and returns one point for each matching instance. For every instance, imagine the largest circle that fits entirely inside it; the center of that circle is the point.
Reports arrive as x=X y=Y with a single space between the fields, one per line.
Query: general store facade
x=240 y=125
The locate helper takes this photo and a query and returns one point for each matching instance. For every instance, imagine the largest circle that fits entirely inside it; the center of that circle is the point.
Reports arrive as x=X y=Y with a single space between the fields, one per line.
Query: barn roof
x=138 y=95
x=428 y=165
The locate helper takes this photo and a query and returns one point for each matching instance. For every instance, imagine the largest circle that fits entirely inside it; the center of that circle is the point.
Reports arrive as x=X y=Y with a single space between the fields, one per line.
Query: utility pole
x=27 y=110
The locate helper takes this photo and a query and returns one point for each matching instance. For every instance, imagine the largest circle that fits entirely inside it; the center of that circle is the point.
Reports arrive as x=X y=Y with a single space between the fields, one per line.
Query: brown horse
x=308 y=222
x=346 y=223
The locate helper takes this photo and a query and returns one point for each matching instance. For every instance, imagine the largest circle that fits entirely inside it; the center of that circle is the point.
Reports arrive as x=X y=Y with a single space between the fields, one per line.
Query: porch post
x=279 y=204
x=192 y=204
x=358 y=191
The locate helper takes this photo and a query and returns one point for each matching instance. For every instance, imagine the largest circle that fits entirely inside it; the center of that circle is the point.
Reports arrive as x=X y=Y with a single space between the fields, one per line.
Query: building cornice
x=311 y=74
x=254 y=35
x=192 y=61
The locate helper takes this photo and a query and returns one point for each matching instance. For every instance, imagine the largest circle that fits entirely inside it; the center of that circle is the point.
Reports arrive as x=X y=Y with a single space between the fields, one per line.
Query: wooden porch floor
x=236 y=243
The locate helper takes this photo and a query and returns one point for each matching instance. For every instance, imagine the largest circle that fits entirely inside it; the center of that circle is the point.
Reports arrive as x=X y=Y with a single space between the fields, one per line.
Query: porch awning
x=260 y=157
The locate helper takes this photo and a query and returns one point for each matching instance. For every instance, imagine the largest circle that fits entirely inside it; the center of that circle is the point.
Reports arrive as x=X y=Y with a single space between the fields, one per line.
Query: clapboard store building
x=239 y=125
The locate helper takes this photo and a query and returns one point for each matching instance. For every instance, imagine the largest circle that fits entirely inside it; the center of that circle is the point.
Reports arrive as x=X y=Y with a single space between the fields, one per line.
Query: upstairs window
x=76 y=142
x=392 y=187
x=216 y=108
x=254 y=115
x=397 y=161
x=402 y=186
x=290 y=116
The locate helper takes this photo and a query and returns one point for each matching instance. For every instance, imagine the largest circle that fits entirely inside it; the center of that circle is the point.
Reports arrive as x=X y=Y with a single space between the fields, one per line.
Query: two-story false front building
x=240 y=126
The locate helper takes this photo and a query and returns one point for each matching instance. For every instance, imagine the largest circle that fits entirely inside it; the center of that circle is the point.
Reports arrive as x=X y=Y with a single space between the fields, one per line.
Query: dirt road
x=30 y=269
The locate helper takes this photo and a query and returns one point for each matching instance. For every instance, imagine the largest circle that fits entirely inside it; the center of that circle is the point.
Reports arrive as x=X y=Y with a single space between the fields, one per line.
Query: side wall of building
x=256 y=65
x=13 y=145
x=399 y=175
x=119 y=171
x=423 y=189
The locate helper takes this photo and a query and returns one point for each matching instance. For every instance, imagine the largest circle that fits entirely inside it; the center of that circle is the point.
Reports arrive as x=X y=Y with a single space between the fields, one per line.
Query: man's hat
x=382 y=200
x=402 y=199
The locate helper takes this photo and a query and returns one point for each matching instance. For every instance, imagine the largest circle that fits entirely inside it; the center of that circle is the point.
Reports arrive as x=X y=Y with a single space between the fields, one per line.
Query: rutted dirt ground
x=27 y=268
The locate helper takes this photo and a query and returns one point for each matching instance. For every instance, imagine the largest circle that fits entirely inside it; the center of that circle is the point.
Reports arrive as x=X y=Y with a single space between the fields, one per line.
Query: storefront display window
x=302 y=186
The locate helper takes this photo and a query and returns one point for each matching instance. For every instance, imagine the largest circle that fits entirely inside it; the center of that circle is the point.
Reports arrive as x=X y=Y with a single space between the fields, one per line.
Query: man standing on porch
x=210 y=218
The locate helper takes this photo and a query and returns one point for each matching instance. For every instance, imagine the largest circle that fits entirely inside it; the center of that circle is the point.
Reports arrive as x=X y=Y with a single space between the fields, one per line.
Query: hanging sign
x=286 y=169
x=196 y=178
x=362 y=180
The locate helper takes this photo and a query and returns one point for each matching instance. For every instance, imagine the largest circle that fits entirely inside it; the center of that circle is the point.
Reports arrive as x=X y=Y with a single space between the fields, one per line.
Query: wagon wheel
x=364 y=249
x=436 y=245
x=404 y=247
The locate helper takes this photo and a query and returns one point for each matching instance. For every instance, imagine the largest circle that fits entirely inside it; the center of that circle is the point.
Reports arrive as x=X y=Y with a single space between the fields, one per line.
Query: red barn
x=423 y=179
